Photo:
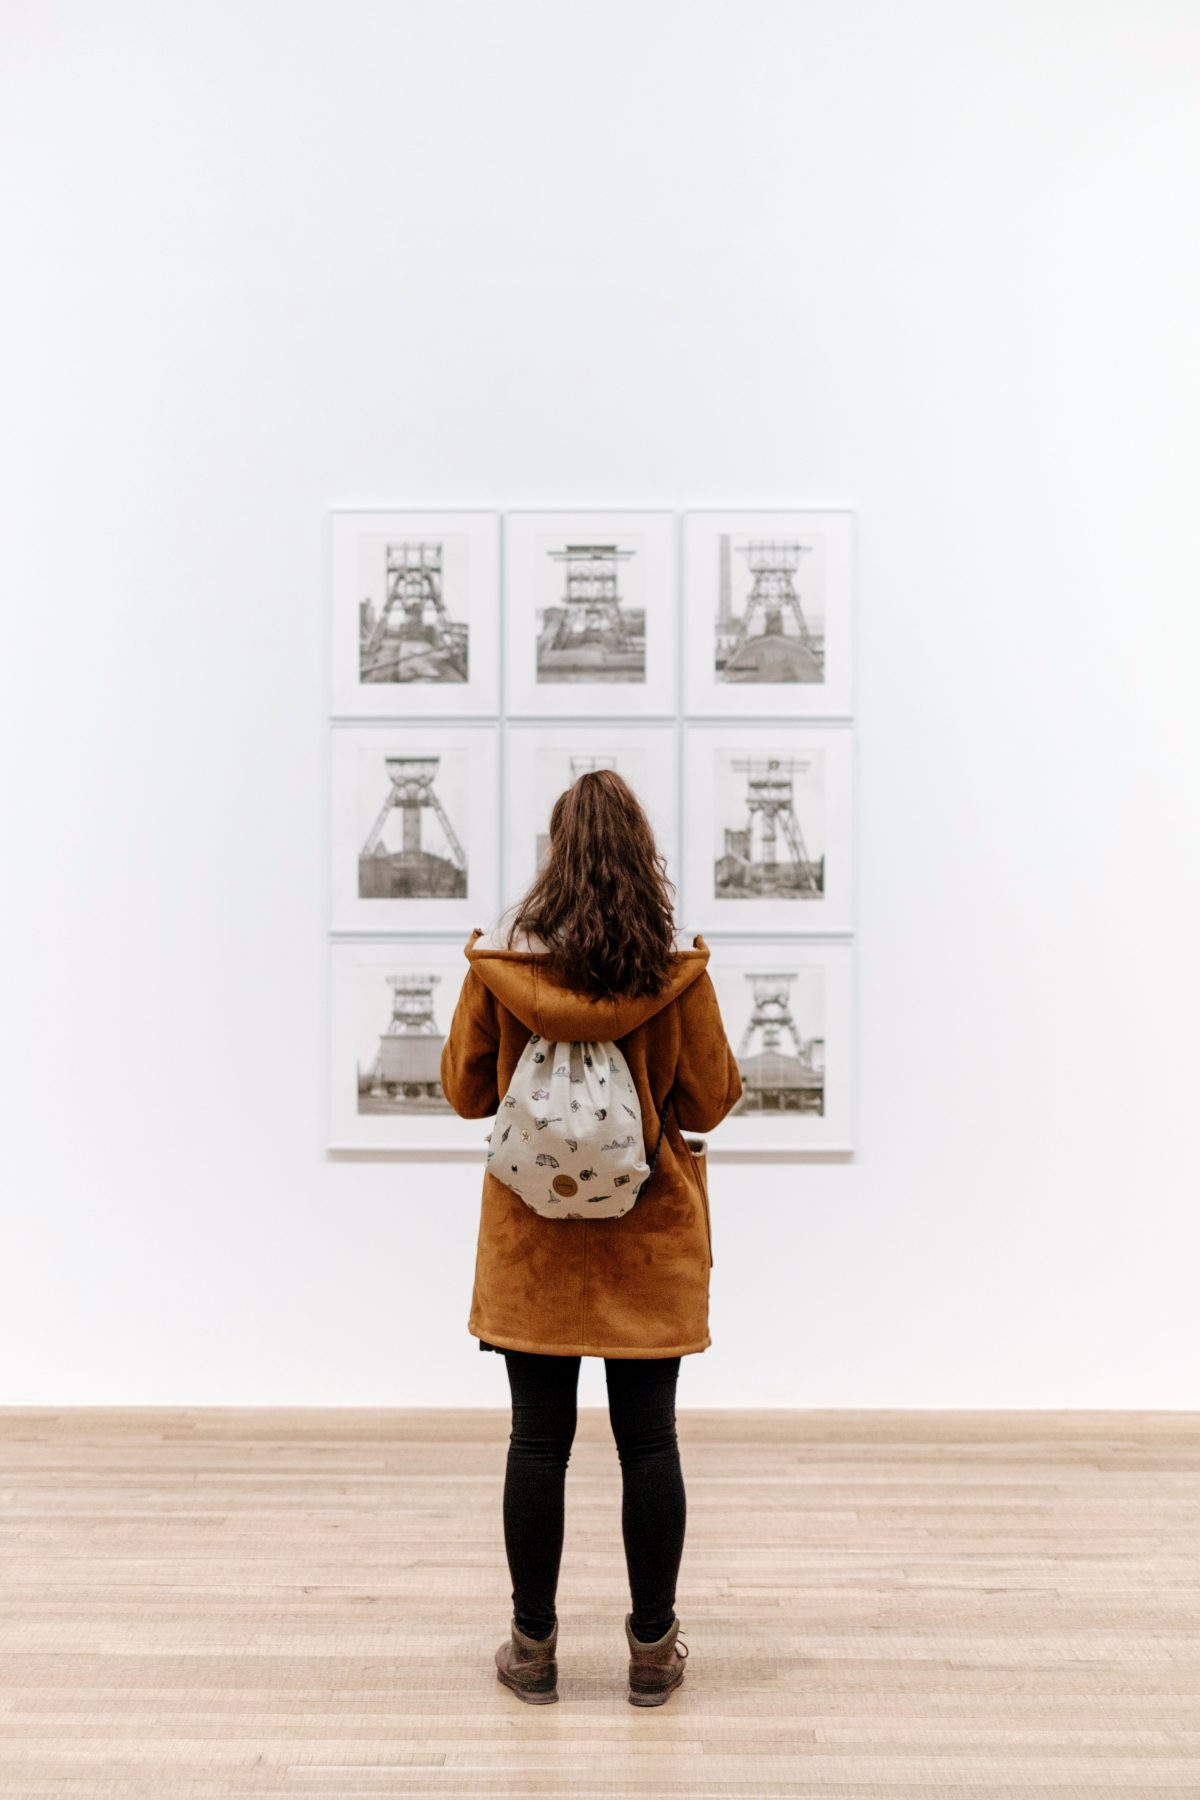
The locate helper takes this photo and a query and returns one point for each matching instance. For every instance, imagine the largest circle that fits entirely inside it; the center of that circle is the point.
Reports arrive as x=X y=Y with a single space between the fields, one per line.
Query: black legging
x=641 y=1410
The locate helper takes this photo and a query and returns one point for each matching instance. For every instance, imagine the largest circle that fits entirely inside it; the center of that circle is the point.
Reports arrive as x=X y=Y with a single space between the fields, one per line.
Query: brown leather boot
x=528 y=1666
x=655 y=1670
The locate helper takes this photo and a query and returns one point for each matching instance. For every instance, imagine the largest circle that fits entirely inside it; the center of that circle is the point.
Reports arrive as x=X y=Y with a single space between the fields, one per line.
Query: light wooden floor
x=961 y=1606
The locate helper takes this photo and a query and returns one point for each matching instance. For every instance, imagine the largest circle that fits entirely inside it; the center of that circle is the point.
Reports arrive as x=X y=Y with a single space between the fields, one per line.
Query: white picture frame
x=390 y=1006
x=414 y=829
x=770 y=810
x=591 y=611
x=795 y=1001
x=768 y=613
x=646 y=755
x=414 y=613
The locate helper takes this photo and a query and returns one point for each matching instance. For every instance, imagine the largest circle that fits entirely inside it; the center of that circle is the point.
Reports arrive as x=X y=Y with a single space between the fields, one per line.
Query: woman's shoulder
x=498 y=937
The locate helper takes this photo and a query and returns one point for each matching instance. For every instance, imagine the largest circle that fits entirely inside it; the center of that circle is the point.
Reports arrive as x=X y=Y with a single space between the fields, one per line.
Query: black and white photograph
x=414 y=825
x=390 y=1009
x=415 y=613
x=543 y=760
x=788 y=1012
x=768 y=604
x=590 y=613
x=770 y=827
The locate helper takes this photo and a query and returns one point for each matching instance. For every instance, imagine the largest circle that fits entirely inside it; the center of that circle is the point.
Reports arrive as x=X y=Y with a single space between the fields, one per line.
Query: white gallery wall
x=933 y=261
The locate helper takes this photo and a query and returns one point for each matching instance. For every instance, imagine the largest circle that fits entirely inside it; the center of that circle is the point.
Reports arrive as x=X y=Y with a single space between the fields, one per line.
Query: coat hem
x=613 y=1350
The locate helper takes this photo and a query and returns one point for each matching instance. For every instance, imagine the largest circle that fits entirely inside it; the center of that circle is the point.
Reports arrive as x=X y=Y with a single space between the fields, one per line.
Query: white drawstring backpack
x=568 y=1133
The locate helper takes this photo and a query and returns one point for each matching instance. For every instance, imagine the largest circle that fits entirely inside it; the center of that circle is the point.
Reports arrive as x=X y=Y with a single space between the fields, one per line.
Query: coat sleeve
x=468 y=1067
x=708 y=1081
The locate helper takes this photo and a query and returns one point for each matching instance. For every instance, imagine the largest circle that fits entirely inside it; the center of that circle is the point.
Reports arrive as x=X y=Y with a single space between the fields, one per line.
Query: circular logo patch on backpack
x=564 y=1185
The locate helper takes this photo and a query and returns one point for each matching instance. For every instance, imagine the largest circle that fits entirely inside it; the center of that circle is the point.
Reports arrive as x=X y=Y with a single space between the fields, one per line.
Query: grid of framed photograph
x=479 y=663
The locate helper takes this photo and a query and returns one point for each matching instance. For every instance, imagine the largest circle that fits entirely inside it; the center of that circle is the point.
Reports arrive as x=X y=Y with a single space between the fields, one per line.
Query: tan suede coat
x=635 y=1286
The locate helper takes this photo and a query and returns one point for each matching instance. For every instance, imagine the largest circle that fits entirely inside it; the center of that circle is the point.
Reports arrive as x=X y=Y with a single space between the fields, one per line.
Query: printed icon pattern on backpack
x=564 y=1101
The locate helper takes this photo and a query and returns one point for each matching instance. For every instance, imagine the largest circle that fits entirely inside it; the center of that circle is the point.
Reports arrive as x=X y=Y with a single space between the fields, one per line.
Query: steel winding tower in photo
x=772 y=640
x=412 y=793
x=773 y=564
x=413 y=614
x=770 y=803
x=591 y=597
x=774 y=1080
x=408 y=1061
x=770 y=1013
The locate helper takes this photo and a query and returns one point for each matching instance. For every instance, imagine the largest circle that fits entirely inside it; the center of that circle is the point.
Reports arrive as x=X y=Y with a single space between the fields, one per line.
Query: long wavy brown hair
x=602 y=898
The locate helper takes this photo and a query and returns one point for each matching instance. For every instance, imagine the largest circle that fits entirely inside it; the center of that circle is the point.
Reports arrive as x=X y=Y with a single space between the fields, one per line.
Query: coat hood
x=521 y=981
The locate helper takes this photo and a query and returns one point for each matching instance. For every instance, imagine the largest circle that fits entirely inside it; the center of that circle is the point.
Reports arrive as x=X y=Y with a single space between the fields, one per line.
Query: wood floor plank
x=205 y=1604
